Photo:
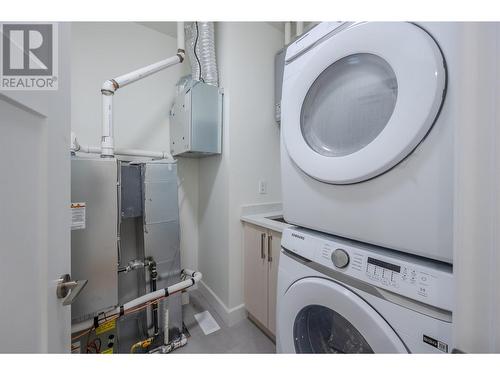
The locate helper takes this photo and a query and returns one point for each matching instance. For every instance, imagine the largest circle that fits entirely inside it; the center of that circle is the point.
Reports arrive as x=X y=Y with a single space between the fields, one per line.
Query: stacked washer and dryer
x=368 y=113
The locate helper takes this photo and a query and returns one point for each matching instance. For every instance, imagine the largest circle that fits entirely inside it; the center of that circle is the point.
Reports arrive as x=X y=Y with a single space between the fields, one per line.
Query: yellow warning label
x=105 y=327
x=107 y=351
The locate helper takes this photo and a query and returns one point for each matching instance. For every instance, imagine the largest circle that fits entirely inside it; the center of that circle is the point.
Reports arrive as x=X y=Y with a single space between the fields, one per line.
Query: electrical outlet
x=262 y=187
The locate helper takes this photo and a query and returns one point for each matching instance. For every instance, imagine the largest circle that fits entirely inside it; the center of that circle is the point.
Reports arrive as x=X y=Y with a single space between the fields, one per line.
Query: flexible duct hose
x=201 y=52
x=190 y=28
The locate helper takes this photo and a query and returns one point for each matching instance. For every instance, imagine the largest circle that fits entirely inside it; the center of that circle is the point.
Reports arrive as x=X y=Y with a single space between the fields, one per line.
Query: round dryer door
x=361 y=99
x=321 y=316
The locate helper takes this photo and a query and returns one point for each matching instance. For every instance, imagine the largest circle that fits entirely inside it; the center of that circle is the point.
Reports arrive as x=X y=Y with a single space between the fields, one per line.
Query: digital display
x=380 y=263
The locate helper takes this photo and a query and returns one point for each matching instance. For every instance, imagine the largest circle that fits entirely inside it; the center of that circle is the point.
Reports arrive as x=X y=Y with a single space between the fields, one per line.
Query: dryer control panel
x=420 y=279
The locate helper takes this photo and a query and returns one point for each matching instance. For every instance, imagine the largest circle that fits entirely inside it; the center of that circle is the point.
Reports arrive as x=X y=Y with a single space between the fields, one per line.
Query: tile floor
x=243 y=337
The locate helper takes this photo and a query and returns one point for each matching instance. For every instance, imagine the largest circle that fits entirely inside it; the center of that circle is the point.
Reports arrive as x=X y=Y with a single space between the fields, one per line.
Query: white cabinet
x=262 y=249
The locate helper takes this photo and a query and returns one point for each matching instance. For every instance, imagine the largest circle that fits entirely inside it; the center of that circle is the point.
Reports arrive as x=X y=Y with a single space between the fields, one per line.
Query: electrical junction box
x=196 y=120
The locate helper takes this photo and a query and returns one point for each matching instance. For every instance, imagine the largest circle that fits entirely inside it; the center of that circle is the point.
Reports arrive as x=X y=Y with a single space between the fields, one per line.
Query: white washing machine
x=367 y=139
x=341 y=296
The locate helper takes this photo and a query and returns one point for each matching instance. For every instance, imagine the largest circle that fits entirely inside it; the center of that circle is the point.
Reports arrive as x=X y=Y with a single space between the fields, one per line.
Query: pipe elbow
x=109 y=87
x=181 y=53
x=195 y=275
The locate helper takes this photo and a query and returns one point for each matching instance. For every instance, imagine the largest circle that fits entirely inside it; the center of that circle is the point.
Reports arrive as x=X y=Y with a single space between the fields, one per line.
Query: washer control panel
x=414 y=277
x=386 y=273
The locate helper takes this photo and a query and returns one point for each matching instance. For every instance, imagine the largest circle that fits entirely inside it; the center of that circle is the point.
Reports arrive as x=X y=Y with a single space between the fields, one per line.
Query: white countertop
x=261 y=215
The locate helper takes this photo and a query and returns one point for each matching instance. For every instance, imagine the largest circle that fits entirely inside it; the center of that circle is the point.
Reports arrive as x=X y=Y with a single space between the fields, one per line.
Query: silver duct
x=201 y=51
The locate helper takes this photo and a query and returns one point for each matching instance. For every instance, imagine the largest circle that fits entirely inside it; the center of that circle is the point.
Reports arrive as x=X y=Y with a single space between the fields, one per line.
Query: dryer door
x=361 y=99
x=321 y=316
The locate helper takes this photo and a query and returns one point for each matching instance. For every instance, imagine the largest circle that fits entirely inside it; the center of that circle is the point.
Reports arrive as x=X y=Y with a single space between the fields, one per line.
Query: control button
x=340 y=258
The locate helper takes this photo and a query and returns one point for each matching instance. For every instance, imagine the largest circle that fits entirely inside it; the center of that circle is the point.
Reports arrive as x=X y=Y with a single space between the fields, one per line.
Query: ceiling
x=170 y=28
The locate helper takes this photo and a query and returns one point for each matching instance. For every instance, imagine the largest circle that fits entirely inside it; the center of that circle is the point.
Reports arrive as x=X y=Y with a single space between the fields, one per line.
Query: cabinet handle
x=262 y=242
x=269 y=248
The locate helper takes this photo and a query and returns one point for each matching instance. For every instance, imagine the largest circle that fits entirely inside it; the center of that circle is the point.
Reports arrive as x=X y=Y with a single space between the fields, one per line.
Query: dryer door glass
x=349 y=104
x=318 y=329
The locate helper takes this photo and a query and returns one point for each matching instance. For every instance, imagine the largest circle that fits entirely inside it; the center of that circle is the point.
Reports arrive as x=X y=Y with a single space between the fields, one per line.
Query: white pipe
x=288 y=33
x=181 y=46
x=194 y=277
x=107 y=143
x=125 y=152
x=299 y=28
x=144 y=153
x=89 y=149
x=136 y=75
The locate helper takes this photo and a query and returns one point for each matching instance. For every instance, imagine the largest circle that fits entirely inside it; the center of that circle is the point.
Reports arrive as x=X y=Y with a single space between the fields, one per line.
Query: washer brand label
x=298 y=236
x=436 y=343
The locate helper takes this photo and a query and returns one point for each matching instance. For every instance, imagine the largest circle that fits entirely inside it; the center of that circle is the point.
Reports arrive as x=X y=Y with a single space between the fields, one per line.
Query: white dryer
x=339 y=296
x=367 y=139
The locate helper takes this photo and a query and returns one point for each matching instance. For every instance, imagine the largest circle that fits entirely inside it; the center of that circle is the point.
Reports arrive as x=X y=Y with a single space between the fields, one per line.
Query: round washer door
x=320 y=316
x=360 y=101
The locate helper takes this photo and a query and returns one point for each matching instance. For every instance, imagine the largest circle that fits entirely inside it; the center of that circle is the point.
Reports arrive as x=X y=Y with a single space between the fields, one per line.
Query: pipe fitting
x=181 y=53
x=109 y=87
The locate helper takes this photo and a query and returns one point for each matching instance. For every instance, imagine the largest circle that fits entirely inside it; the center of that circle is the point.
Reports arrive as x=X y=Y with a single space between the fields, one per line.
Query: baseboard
x=229 y=316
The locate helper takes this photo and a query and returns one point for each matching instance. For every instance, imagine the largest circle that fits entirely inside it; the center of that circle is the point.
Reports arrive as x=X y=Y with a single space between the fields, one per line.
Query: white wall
x=245 y=53
x=254 y=134
x=476 y=324
x=102 y=51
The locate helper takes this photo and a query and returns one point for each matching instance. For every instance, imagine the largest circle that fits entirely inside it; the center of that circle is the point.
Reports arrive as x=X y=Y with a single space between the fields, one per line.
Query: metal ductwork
x=201 y=51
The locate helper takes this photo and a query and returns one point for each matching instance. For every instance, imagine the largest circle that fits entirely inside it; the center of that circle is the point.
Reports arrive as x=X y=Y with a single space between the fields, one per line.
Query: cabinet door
x=273 y=252
x=256 y=269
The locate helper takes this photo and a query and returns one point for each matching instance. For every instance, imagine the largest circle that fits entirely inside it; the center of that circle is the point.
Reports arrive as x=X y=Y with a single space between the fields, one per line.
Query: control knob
x=340 y=258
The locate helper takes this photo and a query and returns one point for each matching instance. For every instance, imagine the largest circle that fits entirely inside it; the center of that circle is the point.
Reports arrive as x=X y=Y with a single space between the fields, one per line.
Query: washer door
x=361 y=100
x=320 y=316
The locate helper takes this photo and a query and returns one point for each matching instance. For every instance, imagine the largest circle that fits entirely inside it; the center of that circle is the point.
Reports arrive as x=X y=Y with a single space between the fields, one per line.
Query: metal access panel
x=196 y=121
x=161 y=233
x=94 y=247
x=131 y=190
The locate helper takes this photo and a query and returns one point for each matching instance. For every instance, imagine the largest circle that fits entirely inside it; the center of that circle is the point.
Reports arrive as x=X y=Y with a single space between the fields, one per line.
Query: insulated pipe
x=201 y=52
x=288 y=33
x=299 y=29
x=166 y=339
x=205 y=49
x=194 y=277
x=154 y=308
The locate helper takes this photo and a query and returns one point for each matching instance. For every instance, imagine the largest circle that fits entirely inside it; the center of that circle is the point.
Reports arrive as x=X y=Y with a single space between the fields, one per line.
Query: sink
x=277 y=218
